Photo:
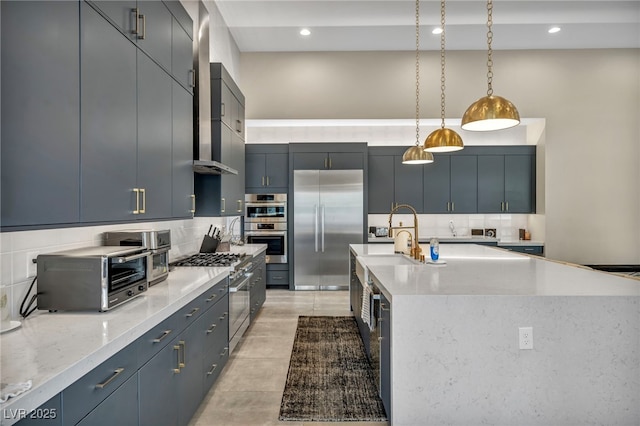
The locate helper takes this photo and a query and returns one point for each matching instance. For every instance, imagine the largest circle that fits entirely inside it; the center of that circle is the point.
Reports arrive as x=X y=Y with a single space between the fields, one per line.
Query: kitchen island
x=56 y=350
x=450 y=354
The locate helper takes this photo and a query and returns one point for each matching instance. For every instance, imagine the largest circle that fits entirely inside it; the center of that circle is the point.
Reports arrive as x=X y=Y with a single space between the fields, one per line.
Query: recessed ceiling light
x=305 y=32
x=437 y=30
x=554 y=30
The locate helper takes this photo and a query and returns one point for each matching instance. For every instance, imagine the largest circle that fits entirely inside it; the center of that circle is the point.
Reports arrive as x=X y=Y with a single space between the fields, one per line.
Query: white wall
x=589 y=99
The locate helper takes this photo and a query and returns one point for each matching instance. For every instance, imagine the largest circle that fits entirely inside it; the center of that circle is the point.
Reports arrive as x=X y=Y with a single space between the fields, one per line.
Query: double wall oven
x=265 y=222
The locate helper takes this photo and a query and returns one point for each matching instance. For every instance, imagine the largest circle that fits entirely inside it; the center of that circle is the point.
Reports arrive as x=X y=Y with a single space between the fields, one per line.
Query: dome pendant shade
x=443 y=140
x=416 y=155
x=490 y=113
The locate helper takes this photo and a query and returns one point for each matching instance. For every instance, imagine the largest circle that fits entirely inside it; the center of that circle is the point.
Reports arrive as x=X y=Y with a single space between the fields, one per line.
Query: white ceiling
x=357 y=25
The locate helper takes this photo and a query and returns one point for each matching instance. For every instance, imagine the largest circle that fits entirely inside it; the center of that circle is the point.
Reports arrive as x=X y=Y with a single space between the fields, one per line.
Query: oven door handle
x=126 y=259
x=239 y=287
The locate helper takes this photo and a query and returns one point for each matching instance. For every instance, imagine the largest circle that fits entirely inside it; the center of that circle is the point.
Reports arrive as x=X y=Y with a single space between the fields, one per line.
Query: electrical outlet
x=526 y=337
x=32 y=267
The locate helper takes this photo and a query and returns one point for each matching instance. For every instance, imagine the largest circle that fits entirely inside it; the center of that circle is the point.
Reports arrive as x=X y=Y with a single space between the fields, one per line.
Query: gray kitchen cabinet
x=48 y=414
x=391 y=182
x=328 y=160
x=146 y=23
x=407 y=180
x=266 y=168
x=384 y=324
x=381 y=183
x=80 y=398
x=216 y=346
x=190 y=381
x=257 y=286
x=119 y=408
x=108 y=121
x=506 y=183
x=532 y=249
x=463 y=184
x=183 y=195
x=223 y=195
x=40 y=155
x=436 y=185
x=277 y=275
x=182 y=56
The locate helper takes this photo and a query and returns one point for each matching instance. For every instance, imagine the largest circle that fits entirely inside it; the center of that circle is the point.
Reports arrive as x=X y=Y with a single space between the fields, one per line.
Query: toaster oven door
x=128 y=271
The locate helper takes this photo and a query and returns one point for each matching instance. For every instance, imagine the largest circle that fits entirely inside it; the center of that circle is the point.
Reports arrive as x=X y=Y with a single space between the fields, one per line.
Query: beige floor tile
x=265 y=347
x=254 y=375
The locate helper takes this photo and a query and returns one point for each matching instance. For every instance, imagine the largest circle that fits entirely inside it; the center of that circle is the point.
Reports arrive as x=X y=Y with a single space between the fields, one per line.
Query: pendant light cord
x=489 y=50
x=442 y=62
x=417 y=72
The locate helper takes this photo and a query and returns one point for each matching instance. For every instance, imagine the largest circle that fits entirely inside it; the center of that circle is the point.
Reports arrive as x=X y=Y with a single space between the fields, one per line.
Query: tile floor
x=249 y=390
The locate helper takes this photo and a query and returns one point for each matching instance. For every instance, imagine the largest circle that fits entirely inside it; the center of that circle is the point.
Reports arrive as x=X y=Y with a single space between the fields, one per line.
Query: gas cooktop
x=211 y=259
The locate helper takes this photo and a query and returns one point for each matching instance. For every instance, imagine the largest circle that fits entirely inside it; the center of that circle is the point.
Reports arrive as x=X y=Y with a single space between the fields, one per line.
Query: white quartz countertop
x=472 y=269
x=54 y=350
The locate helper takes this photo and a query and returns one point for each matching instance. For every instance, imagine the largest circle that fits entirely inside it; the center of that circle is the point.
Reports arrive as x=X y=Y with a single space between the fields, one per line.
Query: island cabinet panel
x=385 y=353
x=40 y=113
x=266 y=168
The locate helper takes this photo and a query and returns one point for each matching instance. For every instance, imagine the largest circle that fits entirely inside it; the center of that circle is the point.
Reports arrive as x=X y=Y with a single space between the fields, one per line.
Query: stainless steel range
x=239 y=303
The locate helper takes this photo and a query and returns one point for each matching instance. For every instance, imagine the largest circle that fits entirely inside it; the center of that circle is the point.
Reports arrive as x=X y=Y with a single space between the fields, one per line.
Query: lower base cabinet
x=278 y=275
x=385 y=353
x=160 y=379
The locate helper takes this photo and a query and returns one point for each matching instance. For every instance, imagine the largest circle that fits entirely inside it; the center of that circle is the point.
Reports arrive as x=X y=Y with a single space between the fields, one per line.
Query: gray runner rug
x=330 y=377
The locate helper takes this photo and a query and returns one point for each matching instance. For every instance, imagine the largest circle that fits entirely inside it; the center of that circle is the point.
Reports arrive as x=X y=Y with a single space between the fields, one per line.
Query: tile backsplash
x=438 y=225
x=17 y=249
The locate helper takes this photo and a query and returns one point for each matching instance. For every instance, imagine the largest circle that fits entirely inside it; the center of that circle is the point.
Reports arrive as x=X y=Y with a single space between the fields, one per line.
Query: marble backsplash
x=17 y=249
x=438 y=225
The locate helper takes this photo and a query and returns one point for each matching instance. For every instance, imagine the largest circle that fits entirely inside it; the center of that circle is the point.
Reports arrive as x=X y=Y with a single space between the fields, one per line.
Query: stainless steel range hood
x=204 y=162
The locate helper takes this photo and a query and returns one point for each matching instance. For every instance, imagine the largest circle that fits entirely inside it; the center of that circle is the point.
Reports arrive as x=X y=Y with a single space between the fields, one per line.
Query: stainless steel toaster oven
x=91 y=278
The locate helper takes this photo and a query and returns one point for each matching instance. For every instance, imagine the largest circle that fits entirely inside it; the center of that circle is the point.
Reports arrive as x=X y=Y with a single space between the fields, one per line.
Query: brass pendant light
x=490 y=112
x=416 y=154
x=443 y=139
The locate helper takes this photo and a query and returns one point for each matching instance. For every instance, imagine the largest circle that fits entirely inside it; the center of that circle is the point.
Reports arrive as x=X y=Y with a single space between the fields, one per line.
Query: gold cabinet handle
x=453 y=206
x=177 y=349
x=162 y=336
x=239 y=206
x=143 y=194
x=224 y=205
x=330 y=162
x=193 y=203
x=115 y=374
x=136 y=28
x=183 y=362
x=144 y=27
x=192 y=78
x=238 y=126
x=224 y=316
x=268 y=183
x=225 y=351
x=325 y=163
x=210 y=329
x=192 y=313
x=137 y=193
x=507 y=204
x=262 y=180
x=213 y=368
x=223 y=109
x=213 y=296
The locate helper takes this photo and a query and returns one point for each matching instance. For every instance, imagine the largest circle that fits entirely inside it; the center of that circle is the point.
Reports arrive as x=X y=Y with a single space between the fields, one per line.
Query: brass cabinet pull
x=162 y=337
x=213 y=296
x=329 y=162
x=223 y=109
x=183 y=363
x=262 y=180
x=213 y=368
x=238 y=126
x=136 y=29
x=224 y=205
x=144 y=27
x=177 y=348
x=268 y=183
x=502 y=206
x=193 y=311
x=115 y=374
x=453 y=206
x=225 y=351
x=325 y=163
x=210 y=329
x=193 y=203
x=239 y=205
x=507 y=204
x=143 y=193
x=137 y=193
x=192 y=78
x=224 y=316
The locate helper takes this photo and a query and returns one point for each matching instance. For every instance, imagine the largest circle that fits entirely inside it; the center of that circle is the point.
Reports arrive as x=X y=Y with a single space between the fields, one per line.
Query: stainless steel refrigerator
x=328 y=216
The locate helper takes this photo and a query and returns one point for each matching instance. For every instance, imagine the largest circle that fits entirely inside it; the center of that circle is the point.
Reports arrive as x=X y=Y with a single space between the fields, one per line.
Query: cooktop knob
x=130 y=293
x=141 y=288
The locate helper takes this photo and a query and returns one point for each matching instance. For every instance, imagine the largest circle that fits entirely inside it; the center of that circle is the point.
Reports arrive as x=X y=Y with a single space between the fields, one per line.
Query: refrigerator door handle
x=322 y=227
x=315 y=233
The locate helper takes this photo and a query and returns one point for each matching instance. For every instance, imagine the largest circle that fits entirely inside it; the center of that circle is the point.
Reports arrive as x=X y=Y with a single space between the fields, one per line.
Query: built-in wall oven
x=265 y=222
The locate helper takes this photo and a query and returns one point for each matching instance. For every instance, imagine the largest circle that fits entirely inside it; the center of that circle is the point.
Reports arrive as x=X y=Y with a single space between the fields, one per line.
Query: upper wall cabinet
x=328 y=156
x=105 y=148
x=506 y=183
x=391 y=182
x=40 y=113
x=267 y=168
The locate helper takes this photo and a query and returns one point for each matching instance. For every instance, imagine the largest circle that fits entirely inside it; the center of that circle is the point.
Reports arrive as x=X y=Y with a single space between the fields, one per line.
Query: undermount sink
x=362 y=271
